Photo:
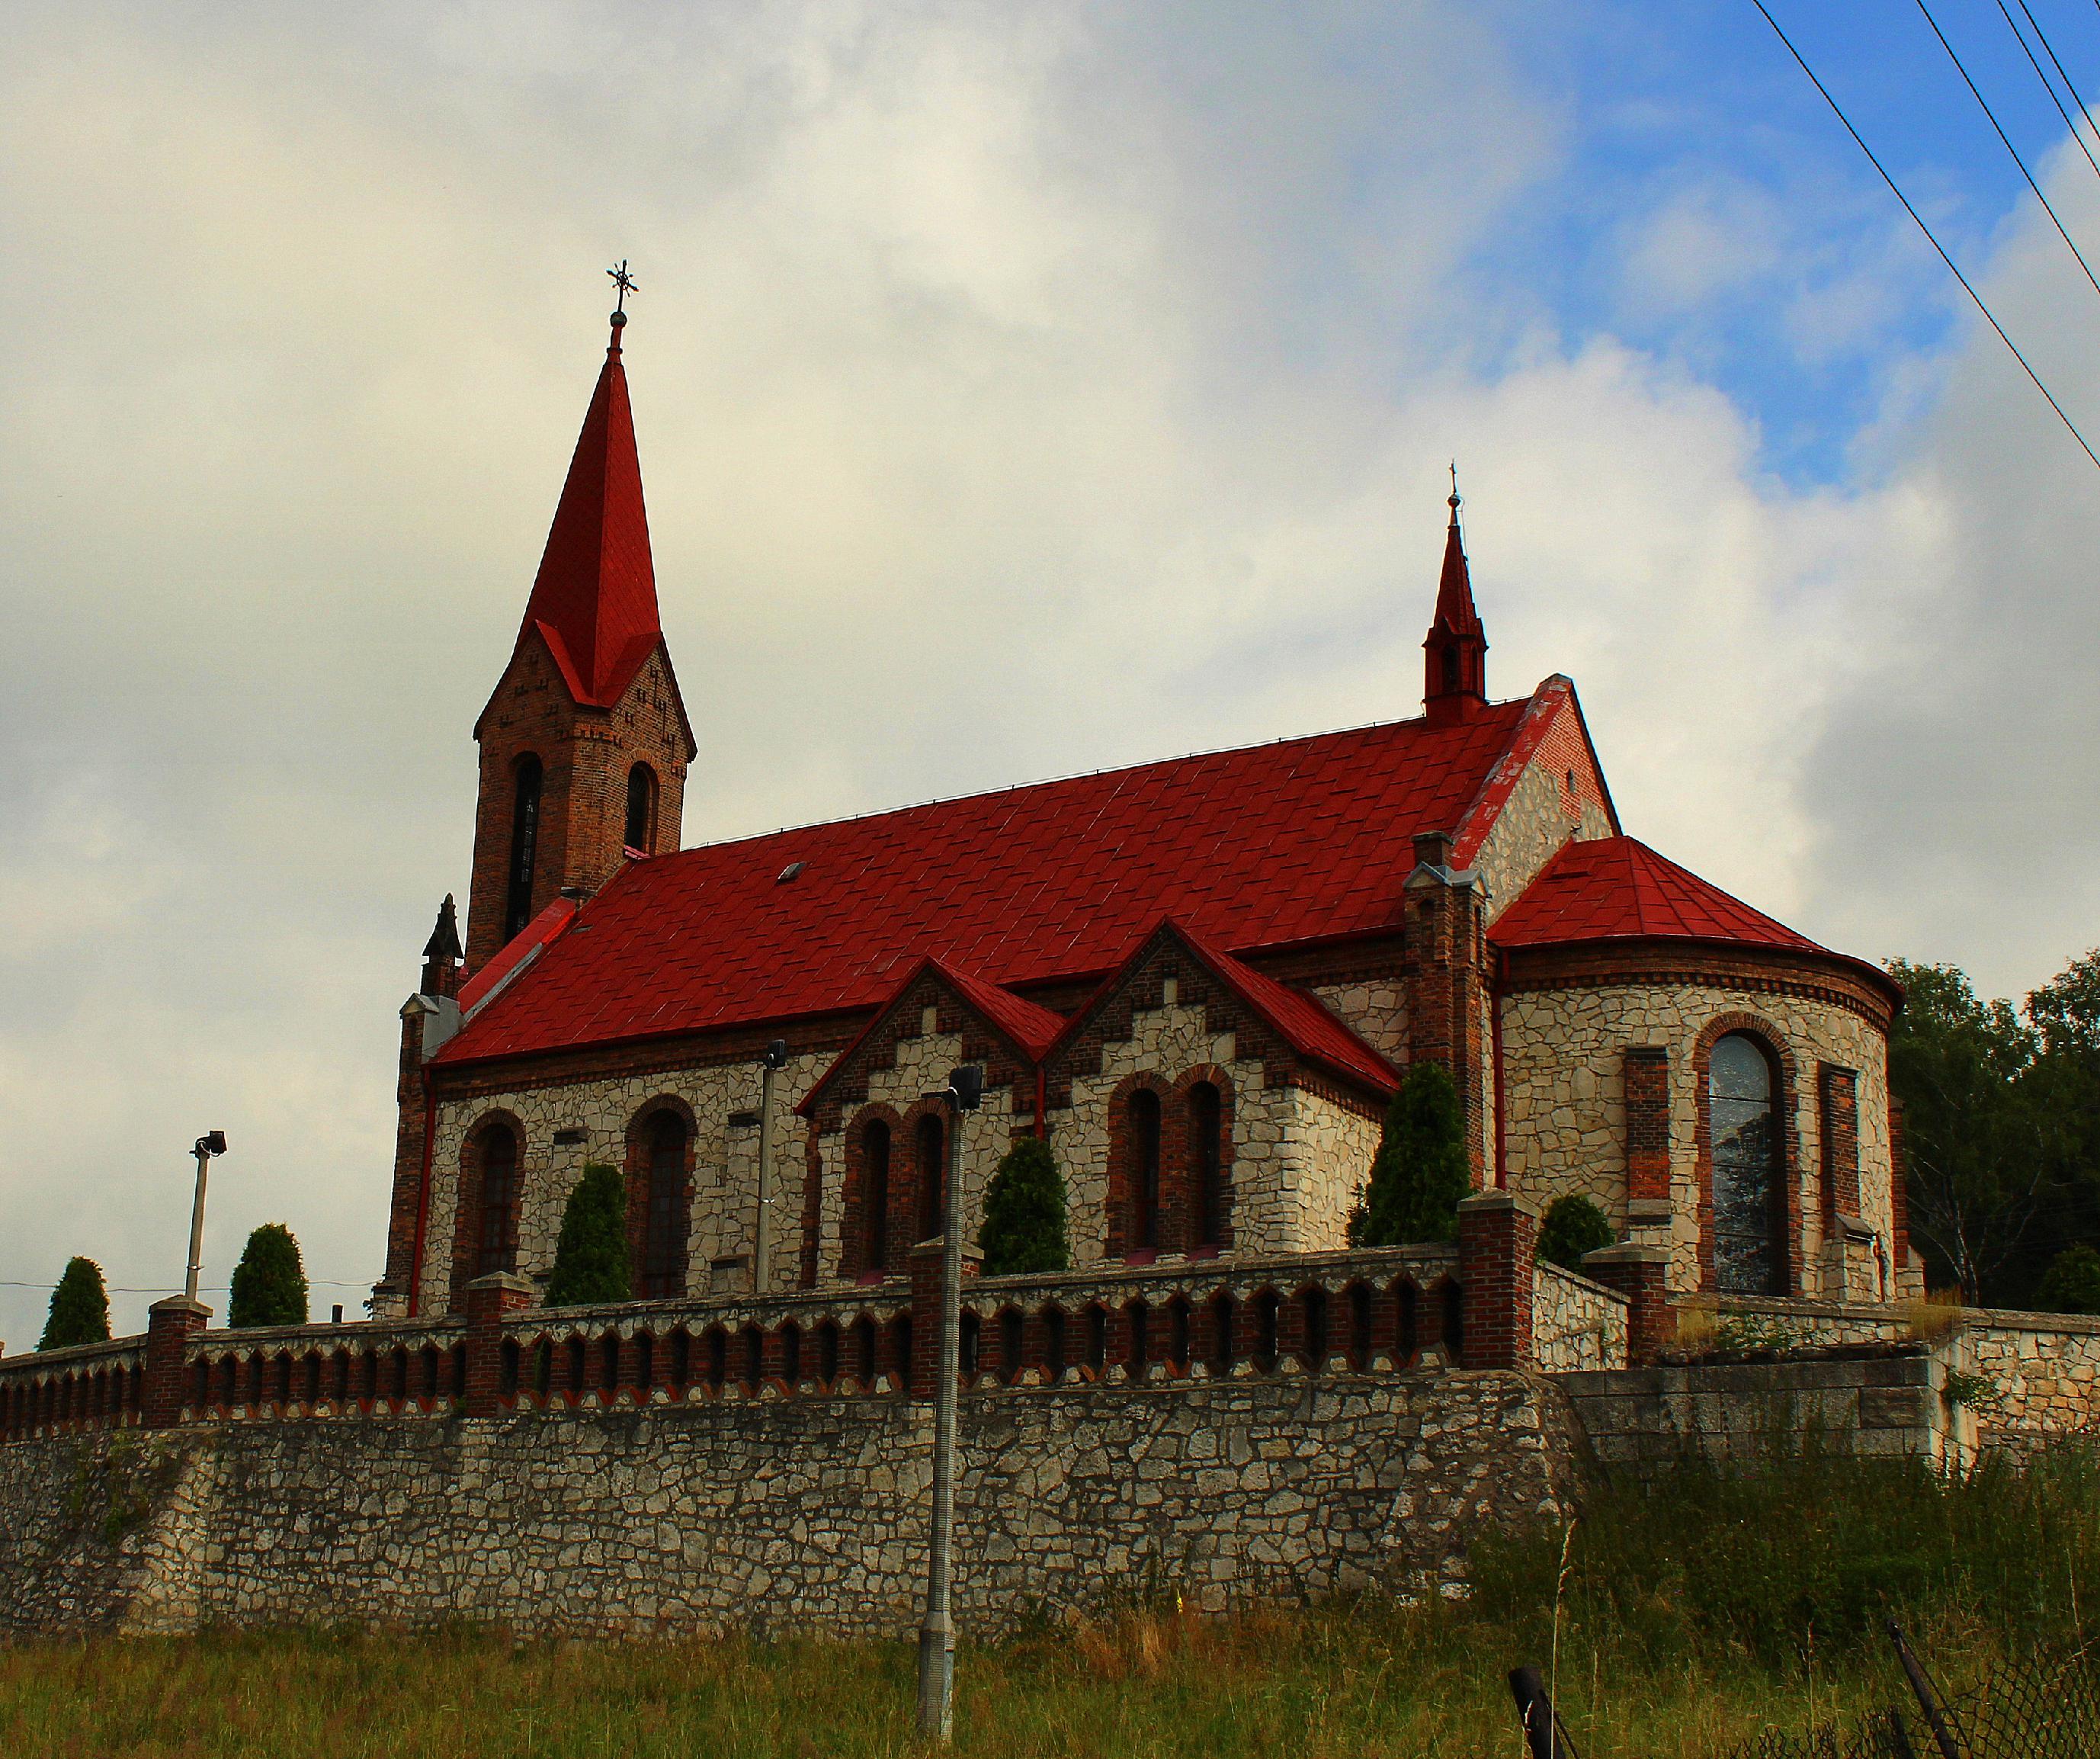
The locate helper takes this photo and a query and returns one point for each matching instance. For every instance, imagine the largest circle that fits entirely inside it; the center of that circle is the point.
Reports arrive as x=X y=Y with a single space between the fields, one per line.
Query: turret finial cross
x=624 y=282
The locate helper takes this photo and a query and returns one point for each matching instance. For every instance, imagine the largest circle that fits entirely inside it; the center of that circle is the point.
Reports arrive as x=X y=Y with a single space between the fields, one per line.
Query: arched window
x=1206 y=1163
x=1450 y=668
x=524 y=845
x=875 y=1195
x=663 y=1239
x=499 y=1201
x=1145 y=1169
x=932 y=1163
x=1747 y=1143
x=641 y=809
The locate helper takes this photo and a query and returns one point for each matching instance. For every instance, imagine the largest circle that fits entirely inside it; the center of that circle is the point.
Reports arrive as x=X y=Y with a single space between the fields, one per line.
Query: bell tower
x=584 y=743
x=1455 y=654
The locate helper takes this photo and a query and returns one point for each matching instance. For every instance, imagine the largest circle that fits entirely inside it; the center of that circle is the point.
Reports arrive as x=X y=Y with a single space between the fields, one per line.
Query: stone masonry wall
x=1576 y=1323
x=794 y=1515
x=1564 y=1052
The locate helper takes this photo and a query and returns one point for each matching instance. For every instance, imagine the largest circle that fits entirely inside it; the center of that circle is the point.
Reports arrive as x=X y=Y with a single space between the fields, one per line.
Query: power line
x=216 y=1288
x=1837 y=111
x=2047 y=85
x=2064 y=72
x=1985 y=104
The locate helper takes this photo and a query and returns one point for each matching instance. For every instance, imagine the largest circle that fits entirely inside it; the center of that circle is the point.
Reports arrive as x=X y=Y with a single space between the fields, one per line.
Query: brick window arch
x=872 y=1226
x=490 y=1192
x=660 y=1139
x=1141 y=1199
x=640 y=827
x=1728 y=1258
x=1198 y=1173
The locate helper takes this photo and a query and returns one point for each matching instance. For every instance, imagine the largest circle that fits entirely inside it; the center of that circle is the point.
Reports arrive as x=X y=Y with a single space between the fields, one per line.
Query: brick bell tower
x=1455 y=654
x=584 y=743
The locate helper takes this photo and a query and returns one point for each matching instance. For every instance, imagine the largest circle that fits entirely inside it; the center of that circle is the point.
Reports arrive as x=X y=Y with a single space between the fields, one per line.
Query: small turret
x=1455 y=668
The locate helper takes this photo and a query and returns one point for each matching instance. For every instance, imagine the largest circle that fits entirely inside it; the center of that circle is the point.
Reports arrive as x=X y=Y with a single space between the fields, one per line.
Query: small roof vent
x=789 y=872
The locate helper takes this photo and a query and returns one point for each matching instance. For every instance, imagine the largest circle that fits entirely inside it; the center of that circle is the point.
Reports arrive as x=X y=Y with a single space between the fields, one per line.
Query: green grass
x=1688 y=1617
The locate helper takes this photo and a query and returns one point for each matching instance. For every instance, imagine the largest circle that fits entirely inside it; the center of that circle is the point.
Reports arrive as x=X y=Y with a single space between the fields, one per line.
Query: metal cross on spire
x=1454 y=482
x=625 y=283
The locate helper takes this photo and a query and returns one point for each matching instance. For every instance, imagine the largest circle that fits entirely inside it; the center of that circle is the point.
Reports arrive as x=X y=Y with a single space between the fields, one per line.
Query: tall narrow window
x=1748 y=1259
x=874 y=1194
x=1206 y=1163
x=1145 y=1169
x=499 y=1200
x=641 y=809
x=524 y=845
x=662 y=1235
x=932 y=1161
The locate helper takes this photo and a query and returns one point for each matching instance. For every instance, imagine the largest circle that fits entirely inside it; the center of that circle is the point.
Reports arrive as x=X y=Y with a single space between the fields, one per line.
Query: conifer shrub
x=1574 y=1224
x=2072 y=1282
x=1024 y=1219
x=80 y=1308
x=1420 y=1174
x=590 y=1257
x=270 y=1282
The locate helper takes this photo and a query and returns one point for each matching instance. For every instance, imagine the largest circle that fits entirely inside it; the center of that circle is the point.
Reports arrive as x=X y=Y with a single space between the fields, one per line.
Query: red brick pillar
x=1498 y=1246
x=488 y=1299
x=1640 y=1274
x=169 y=1326
x=926 y=1312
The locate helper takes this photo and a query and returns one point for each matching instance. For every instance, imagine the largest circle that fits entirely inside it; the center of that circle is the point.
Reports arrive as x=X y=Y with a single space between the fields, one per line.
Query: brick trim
x=1784 y=1103
x=1838 y=1101
x=1178 y=1155
x=1646 y=1083
x=638 y=1193
x=856 y=1258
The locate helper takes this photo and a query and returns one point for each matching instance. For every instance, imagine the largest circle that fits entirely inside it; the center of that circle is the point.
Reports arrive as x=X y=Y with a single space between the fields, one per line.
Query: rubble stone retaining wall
x=804 y=1514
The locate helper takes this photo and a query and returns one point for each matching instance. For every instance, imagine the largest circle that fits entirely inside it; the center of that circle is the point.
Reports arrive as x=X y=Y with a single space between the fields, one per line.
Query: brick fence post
x=488 y=1299
x=1497 y=1249
x=1639 y=1273
x=169 y=1326
x=926 y=1310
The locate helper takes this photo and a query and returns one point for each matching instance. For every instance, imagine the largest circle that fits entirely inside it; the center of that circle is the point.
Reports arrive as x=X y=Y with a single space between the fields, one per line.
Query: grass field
x=1687 y=1617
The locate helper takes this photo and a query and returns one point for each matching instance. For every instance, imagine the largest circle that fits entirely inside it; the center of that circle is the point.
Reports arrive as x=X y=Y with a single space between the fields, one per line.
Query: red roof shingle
x=1616 y=888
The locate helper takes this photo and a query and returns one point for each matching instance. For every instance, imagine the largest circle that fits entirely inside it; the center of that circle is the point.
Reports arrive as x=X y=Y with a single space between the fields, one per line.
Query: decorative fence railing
x=1373 y=1310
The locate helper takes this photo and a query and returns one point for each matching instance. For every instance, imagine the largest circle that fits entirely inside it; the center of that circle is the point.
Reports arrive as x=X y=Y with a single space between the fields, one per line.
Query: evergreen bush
x=1420 y=1174
x=2072 y=1282
x=1024 y=1217
x=270 y=1283
x=590 y=1257
x=1574 y=1224
x=80 y=1308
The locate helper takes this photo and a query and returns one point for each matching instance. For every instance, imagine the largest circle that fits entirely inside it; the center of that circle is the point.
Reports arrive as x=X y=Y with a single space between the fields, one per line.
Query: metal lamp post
x=213 y=1143
x=775 y=1060
x=937 y=1635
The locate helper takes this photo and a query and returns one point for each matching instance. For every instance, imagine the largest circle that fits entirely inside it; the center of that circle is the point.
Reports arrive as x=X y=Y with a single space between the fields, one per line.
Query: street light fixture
x=964 y=1092
x=210 y=1144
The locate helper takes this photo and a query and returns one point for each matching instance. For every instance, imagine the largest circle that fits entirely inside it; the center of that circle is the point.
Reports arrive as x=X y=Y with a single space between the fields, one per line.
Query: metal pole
x=937 y=1635
x=196 y=1223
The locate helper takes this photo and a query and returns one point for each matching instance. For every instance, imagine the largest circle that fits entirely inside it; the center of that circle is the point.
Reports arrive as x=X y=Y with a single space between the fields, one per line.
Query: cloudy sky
x=1020 y=389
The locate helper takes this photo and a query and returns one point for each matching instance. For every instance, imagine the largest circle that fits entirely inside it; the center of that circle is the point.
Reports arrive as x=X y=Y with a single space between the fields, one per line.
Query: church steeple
x=1455 y=654
x=584 y=743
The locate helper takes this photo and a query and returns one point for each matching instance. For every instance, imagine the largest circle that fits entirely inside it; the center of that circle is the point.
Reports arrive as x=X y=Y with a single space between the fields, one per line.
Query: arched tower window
x=1145 y=1169
x=1748 y=1186
x=662 y=1240
x=494 y=1250
x=875 y=1195
x=641 y=809
x=1206 y=1162
x=932 y=1142
x=524 y=845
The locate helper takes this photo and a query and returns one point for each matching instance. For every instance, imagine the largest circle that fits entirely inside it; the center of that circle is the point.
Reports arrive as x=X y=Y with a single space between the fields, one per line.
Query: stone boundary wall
x=1576 y=1323
x=1881 y=1401
x=788 y=1515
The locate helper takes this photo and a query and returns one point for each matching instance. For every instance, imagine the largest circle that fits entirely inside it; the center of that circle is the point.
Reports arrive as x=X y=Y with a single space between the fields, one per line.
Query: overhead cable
x=1930 y=238
x=2062 y=74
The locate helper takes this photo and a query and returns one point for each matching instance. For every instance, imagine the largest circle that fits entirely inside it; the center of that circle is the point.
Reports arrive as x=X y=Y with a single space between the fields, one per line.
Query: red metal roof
x=1616 y=888
x=594 y=599
x=1301 y=840
x=1306 y=1023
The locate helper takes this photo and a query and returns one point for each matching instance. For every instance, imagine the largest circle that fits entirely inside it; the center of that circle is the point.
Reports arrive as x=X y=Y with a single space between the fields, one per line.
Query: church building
x=1201 y=979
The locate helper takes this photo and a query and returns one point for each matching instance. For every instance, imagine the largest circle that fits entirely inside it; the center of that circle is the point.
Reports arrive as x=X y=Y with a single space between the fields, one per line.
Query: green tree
x=1420 y=1173
x=590 y=1257
x=1574 y=1224
x=270 y=1282
x=1978 y=1165
x=80 y=1308
x=2072 y=1285
x=1024 y=1213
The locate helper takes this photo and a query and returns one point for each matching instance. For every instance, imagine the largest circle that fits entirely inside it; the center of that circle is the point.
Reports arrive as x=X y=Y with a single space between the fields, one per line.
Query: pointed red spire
x=594 y=599
x=1455 y=672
